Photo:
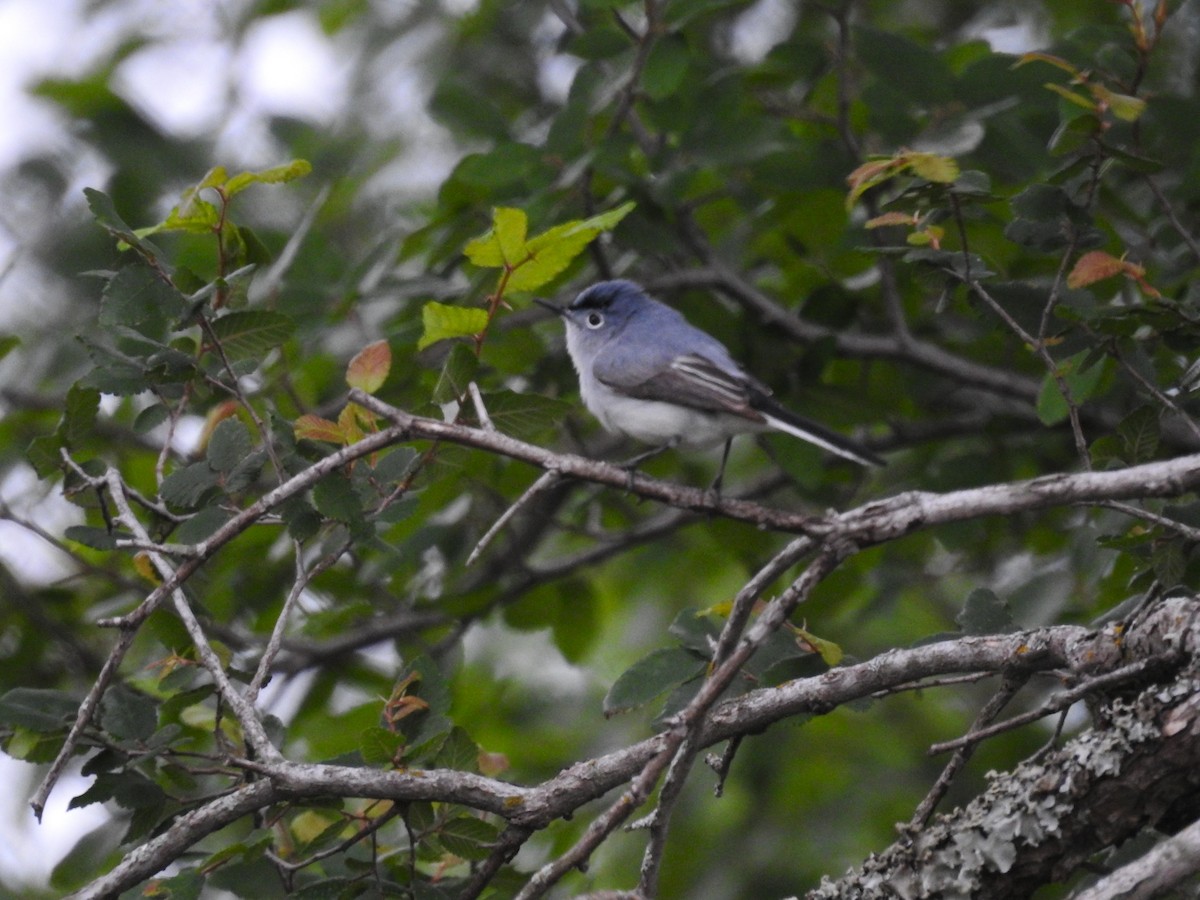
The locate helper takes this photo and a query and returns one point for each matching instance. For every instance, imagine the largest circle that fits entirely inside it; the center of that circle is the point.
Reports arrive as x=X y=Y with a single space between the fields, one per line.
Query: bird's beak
x=553 y=307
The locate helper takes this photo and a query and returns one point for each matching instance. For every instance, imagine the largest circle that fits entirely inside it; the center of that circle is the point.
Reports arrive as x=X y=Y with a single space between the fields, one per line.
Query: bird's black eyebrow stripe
x=594 y=299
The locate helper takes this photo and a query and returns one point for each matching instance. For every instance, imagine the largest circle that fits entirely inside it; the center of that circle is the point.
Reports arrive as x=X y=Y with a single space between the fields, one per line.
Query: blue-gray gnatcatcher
x=646 y=372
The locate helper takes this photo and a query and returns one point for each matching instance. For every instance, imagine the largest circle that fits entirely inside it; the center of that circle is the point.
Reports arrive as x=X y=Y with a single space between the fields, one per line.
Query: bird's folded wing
x=688 y=380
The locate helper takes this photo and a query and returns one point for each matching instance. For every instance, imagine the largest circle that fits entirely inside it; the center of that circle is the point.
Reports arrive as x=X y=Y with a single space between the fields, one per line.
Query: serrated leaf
x=1140 y=432
x=1092 y=267
x=1169 y=562
x=932 y=167
x=984 y=613
x=252 y=333
x=484 y=251
x=443 y=322
x=870 y=174
x=184 y=487
x=458 y=751
x=90 y=536
x=297 y=168
x=315 y=428
x=550 y=252
x=200 y=526
x=230 y=444
x=139 y=298
x=526 y=415
x=831 y=654
x=457 y=371
x=1080 y=381
x=509 y=226
x=128 y=715
x=335 y=498
x=468 y=837
x=370 y=366
x=650 y=676
x=45 y=454
x=105 y=214
x=394 y=465
x=38 y=709
x=381 y=746
x=79 y=415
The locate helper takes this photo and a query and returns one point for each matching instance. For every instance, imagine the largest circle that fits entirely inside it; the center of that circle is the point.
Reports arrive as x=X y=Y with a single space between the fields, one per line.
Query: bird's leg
x=630 y=465
x=715 y=487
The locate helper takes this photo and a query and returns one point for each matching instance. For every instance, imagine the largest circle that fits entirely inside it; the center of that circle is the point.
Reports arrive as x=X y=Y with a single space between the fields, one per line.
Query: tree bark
x=1135 y=769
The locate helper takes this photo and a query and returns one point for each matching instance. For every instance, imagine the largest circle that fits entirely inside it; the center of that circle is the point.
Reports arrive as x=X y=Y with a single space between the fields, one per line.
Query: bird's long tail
x=807 y=430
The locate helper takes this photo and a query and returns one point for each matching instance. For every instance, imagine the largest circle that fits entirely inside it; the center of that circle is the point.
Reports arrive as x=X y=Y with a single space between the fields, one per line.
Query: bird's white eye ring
x=595 y=320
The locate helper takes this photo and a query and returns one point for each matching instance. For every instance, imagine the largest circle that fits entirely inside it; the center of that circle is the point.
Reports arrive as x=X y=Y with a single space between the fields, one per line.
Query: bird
x=647 y=373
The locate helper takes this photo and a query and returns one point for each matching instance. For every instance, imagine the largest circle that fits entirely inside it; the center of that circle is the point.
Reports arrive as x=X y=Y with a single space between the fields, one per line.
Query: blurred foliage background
x=733 y=128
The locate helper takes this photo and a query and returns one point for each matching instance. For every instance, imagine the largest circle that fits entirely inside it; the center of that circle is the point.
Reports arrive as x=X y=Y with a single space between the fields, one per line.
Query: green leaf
x=252 y=333
x=187 y=885
x=527 y=416
x=666 y=67
x=552 y=251
x=38 y=709
x=457 y=372
x=79 y=415
x=509 y=227
x=229 y=445
x=201 y=525
x=380 y=746
x=468 y=837
x=1140 y=432
x=90 y=536
x=184 y=487
x=335 y=498
x=150 y=418
x=370 y=366
x=128 y=715
x=650 y=676
x=984 y=613
x=8 y=344
x=297 y=168
x=443 y=322
x=1123 y=106
x=106 y=216
x=577 y=625
x=1051 y=405
x=458 y=752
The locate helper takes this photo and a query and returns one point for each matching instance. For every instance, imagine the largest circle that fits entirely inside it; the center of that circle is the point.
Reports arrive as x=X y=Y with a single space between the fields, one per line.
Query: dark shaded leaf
x=252 y=333
x=984 y=613
x=650 y=676
x=38 y=709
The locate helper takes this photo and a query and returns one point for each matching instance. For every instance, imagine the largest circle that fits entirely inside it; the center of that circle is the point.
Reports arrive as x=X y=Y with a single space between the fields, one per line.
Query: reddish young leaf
x=1094 y=266
x=892 y=218
x=314 y=428
x=370 y=366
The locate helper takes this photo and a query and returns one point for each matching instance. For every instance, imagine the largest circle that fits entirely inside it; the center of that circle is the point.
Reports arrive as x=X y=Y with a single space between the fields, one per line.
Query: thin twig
x=544 y=482
x=1180 y=528
x=252 y=726
x=1008 y=689
x=1061 y=701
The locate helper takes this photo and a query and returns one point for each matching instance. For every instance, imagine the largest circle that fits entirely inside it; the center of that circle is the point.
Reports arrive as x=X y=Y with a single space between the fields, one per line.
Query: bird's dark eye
x=595 y=320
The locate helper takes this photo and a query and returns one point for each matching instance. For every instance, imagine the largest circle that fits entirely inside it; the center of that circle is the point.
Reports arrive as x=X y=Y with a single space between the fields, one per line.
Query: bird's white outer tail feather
x=820 y=440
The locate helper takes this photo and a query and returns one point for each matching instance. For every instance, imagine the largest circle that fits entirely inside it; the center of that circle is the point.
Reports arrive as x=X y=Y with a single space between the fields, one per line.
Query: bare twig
x=1059 y=702
x=990 y=710
x=544 y=482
